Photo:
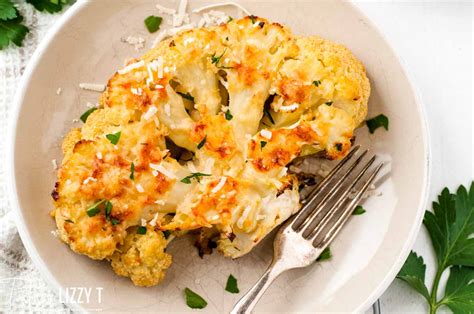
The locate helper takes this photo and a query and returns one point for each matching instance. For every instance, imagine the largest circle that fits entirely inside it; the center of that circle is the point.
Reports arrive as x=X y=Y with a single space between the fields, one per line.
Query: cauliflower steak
x=197 y=135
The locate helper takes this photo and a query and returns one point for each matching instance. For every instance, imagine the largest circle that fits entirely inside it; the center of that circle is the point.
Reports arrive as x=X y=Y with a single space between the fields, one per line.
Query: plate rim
x=26 y=236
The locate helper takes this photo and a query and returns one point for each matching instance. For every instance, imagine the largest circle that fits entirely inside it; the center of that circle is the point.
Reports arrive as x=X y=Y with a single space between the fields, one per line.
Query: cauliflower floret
x=142 y=258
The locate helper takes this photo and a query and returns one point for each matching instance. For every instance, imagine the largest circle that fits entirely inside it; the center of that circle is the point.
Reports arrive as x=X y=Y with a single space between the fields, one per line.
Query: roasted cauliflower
x=197 y=135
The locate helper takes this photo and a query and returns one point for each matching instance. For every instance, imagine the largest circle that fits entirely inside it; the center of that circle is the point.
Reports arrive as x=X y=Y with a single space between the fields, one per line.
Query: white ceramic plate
x=85 y=46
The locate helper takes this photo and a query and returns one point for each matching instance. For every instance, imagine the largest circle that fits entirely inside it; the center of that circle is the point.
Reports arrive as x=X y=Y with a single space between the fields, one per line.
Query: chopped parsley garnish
x=325 y=255
x=252 y=18
x=450 y=226
x=86 y=114
x=186 y=96
x=262 y=144
x=201 y=143
x=317 y=83
x=194 y=300
x=228 y=115
x=114 y=138
x=359 y=210
x=230 y=19
x=7 y=10
x=269 y=115
x=114 y=221
x=328 y=103
x=376 y=122
x=216 y=59
x=194 y=175
x=339 y=146
x=166 y=234
x=141 y=230
x=108 y=209
x=69 y=220
x=132 y=171
x=94 y=209
x=231 y=285
x=153 y=23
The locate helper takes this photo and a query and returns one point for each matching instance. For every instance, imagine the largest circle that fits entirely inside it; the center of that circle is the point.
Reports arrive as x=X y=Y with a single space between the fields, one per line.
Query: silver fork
x=301 y=240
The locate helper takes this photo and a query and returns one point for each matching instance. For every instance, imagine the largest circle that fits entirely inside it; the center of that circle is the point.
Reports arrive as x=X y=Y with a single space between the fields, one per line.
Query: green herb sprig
x=450 y=226
x=194 y=175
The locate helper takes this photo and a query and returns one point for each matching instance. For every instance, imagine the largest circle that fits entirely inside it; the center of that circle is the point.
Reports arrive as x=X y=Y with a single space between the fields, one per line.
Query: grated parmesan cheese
x=153 y=221
x=137 y=42
x=89 y=179
x=131 y=67
x=165 y=10
x=150 y=113
x=288 y=108
x=158 y=86
x=266 y=134
x=244 y=216
x=139 y=188
x=55 y=164
x=219 y=185
x=92 y=87
x=163 y=170
x=136 y=91
x=99 y=155
x=191 y=166
x=160 y=202
x=143 y=222
x=178 y=18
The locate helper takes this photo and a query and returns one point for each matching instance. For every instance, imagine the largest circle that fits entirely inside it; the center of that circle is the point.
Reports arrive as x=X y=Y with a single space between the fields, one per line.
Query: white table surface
x=434 y=39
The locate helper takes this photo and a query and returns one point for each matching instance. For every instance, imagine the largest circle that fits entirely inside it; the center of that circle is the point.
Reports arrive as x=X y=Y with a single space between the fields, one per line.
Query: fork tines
x=331 y=203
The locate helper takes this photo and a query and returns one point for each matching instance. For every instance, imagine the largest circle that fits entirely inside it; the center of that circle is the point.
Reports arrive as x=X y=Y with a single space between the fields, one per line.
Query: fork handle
x=250 y=299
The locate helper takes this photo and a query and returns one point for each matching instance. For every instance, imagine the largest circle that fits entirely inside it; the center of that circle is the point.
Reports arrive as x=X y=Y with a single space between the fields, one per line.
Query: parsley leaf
x=228 y=115
x=115 y=221
x=108 y=209
x=186 y=96
x=86 y=114
x=94 y=209
x=359 y=210
x=194 y=300
x=132 y=171
x=413 y=273
x=459 y=293
x=262 y=144
x=450 y=226
x=328 y=103
x=317 y=83
x=12 y=31
x=194 y=175
x=153 y=23
x=325 y=255
x=216 y=59
x=231 y=285
x=7 y=10
x=252 y=18
x=114 y=138
x=141 y=230
x=201 y=143
x=51 y=6
x=376 y=122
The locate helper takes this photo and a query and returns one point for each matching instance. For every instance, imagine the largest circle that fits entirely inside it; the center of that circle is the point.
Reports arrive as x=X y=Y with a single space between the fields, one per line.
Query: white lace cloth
x=22 y=289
